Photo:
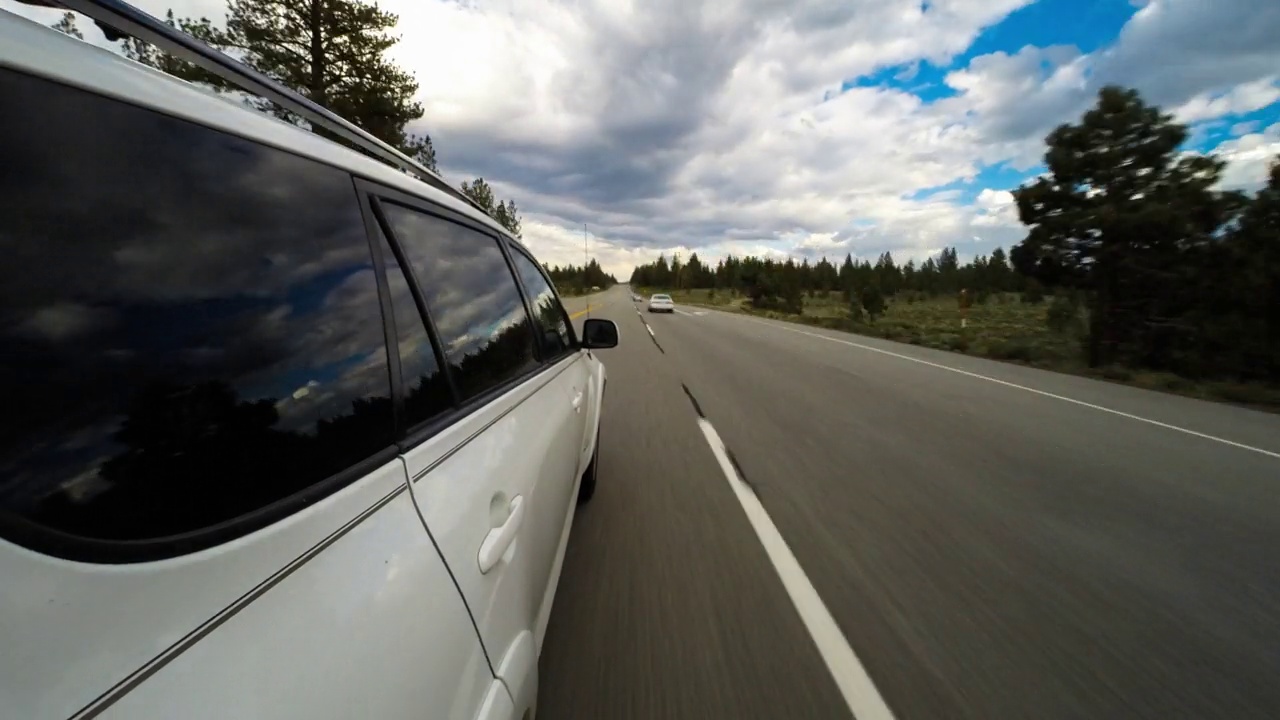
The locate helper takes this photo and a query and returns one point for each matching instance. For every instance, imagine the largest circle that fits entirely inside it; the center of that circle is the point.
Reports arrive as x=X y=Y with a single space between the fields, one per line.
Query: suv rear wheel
x=587 y=487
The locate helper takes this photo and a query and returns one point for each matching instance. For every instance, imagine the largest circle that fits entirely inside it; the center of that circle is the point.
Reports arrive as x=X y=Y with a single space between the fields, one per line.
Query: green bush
x=1011 y=350
x=1063 y=315
x=1115 y=373
x=872 y=302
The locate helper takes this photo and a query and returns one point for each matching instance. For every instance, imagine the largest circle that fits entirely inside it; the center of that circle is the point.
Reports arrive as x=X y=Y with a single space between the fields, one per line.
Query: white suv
x=287 y=433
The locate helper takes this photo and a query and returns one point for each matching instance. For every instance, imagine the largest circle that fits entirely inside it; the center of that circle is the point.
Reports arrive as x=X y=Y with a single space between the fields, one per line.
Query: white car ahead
x=288 y=433
x=661 y=303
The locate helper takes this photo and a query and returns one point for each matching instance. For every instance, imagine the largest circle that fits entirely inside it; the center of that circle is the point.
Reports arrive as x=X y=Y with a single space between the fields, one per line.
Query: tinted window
x=548 y=314
x=472 y=297
x=426 y=389
x=190 y=321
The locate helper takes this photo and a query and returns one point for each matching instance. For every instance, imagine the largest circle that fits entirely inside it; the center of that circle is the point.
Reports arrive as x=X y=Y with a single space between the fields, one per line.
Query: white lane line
x=646 y=327
x=851 y=677
x=1006 y=383
x=682 y=312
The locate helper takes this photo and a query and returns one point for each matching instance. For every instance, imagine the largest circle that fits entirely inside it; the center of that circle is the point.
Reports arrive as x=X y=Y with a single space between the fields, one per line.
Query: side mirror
x=599 y=334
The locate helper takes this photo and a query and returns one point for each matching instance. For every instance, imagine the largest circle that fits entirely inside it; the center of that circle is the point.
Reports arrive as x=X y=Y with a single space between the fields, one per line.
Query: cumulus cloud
x=671 y=126
x=1243 y=98
x=1248 y=159
x=634 y=120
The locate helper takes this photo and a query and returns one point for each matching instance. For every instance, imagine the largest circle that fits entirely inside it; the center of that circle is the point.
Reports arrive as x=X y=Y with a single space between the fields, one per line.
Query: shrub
x=855 y=311
x=872 y=302
x=1113 y=372
x=1063 y=314
x=1011 y=350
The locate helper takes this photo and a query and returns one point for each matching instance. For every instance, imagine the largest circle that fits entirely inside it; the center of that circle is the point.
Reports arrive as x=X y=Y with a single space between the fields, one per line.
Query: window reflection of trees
x=501 y=357
x=196 y=455
x=553 y=328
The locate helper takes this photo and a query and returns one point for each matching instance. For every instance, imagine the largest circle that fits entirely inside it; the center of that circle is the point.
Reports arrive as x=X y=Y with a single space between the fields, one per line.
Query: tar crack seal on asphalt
x=696 y=407
x=652 y=336
x=733 y=460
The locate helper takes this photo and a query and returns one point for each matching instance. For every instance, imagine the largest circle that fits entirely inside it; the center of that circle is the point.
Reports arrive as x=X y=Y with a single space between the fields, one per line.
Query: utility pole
x=585 y=262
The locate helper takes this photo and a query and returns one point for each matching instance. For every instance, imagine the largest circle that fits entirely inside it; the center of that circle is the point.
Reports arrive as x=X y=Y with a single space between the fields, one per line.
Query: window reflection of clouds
x=549 y=313
x=427 y=392
x=459 y=273
x=471 y=294
x=142 y=249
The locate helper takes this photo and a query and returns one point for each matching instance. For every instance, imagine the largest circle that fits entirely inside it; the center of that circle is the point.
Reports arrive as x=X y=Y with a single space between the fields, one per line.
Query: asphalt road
x=992 y=541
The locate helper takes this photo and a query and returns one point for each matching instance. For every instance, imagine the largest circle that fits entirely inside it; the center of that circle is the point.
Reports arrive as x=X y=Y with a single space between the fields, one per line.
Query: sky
x=804 y=128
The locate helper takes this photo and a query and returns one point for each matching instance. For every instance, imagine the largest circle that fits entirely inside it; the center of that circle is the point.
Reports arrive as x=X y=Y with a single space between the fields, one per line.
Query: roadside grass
x=1001 y=328
x=574 y=291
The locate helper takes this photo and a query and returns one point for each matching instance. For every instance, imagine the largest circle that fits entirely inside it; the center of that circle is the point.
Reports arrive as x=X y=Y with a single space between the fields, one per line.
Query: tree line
x=773 y=283
x=1127 y=227
x=333 y=52
x=578 y=279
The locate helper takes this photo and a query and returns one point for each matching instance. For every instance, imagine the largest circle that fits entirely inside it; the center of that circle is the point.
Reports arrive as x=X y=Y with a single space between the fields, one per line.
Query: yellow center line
x=580 y=313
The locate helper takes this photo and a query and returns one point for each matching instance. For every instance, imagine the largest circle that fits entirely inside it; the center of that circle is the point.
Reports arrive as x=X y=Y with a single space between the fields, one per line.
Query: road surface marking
x=1006 y=383
x=851 y=677
x=580 y=313
x=646 y=327
x=682 y=312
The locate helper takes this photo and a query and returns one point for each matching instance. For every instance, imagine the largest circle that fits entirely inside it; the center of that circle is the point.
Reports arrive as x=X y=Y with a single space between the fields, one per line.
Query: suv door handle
x=577 y=401
x=499 y=539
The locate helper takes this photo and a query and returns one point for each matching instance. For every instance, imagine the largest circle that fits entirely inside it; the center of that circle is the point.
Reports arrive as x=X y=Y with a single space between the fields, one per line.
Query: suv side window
x=426 y=389
x=548 y=314
x=191 y=322
x=477 y=309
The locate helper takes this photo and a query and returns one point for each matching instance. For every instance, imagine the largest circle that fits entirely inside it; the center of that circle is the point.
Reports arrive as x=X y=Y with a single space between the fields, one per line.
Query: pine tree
x=1115 y=214
x=330 y=51
x=847 y=277
x=504 y=211
x=67 y=24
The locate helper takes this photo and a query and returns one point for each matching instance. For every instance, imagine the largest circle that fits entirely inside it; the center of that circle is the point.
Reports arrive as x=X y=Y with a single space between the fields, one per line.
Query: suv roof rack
x=132 y=21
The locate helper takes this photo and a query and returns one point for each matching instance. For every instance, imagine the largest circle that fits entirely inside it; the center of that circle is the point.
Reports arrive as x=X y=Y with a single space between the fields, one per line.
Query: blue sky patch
x=1087 y=24
x=1207 y=135
x=923 y=79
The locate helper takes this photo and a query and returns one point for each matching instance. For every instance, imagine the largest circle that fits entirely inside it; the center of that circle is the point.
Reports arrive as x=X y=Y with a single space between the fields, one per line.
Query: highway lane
x=667 y=605
x=988 y=551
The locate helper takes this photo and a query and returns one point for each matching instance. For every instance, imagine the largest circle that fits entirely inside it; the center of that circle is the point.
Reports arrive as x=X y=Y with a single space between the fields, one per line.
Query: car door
x=558 y=342
x=491 y=441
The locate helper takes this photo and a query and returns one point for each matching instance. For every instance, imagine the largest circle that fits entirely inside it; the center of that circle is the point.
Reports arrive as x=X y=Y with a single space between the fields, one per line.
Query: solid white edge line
x=1006 y=383
x=850 y=676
